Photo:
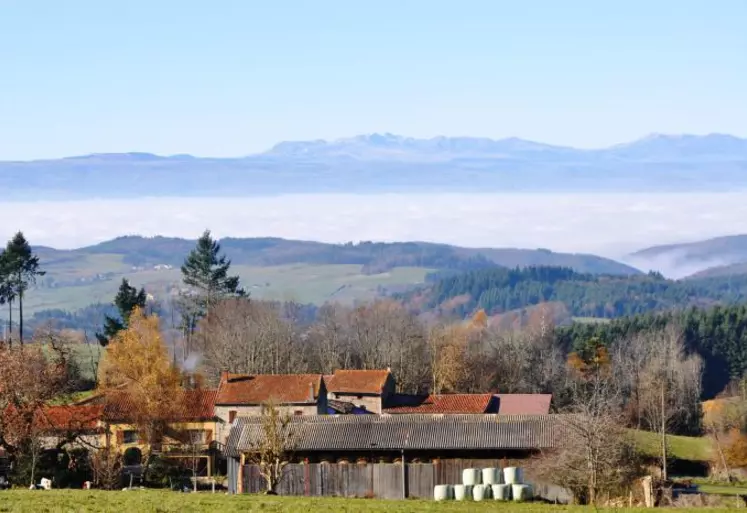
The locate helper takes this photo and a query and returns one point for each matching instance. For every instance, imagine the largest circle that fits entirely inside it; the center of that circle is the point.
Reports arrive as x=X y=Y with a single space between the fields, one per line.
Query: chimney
x=311 y=392
x=223 y=377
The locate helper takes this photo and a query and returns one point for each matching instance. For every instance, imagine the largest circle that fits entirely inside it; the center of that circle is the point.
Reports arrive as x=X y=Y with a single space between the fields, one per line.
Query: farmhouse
x=241 y=395
x=191 y=430
x=367 y=390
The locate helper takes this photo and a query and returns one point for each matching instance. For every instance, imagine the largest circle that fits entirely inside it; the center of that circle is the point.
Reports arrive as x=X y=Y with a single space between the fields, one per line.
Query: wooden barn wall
x=379 y=480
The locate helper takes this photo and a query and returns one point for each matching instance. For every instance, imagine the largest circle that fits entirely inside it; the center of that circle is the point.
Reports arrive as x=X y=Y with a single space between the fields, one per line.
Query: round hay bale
x=471 y=476
x=521 y=492
x=491 y=476
x=481 y=492
x=501 y=492
x=513 y=475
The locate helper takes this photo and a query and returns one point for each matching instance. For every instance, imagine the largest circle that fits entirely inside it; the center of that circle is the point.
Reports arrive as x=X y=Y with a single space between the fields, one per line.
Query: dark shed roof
x=408 y=431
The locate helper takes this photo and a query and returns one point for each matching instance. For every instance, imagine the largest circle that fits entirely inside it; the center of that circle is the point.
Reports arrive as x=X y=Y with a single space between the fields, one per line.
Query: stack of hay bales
x=480 y=484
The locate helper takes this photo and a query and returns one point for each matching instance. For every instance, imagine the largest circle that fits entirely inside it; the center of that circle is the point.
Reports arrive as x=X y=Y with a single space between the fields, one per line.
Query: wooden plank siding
x=380 y=480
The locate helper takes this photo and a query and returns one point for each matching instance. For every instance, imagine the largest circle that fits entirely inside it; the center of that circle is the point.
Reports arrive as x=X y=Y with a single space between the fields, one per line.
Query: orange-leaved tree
x=136 y=370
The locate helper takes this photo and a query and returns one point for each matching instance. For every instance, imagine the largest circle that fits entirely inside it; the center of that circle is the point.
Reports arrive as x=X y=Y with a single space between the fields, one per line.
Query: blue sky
x=234 y=77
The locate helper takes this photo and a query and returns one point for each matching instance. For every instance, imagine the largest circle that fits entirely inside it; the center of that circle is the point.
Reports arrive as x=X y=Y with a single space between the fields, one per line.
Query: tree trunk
x=10 y=323
x=663 y=436
x=20 y=316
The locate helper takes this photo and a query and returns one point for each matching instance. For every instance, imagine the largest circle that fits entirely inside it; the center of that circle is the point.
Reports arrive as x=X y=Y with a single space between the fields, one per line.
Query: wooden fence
x=378 y=480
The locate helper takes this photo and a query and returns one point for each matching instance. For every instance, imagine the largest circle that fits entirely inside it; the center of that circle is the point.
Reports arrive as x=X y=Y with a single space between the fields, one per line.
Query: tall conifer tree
x=127 y=299
x=7 y=292
x=205 y=272
x=24 y=270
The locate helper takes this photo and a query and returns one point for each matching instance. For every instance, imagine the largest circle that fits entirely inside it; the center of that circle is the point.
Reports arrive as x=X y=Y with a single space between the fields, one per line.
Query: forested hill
x=718 y=334
x=375 y=257
x=499 y=290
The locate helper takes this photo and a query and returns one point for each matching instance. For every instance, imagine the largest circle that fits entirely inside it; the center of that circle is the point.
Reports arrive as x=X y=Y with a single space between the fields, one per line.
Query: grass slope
x=166 y=501
x=344 y=283
x=689 y=448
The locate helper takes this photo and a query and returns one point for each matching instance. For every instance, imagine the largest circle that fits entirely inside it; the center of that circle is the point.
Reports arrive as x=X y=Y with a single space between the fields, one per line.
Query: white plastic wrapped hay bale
x=491 y=476
x=521 y=492
x=443 y=492
x=462 y=492
x=481 y=492
x=501 y=492
x=471 y=476
x=513 y=475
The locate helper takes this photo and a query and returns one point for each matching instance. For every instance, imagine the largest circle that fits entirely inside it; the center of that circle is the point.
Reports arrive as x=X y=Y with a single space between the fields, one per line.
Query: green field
x=689 y=448
x=79 y=282
x=166 y=501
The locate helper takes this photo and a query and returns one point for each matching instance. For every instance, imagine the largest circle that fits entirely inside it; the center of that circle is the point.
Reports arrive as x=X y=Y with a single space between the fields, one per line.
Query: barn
x=362 y=455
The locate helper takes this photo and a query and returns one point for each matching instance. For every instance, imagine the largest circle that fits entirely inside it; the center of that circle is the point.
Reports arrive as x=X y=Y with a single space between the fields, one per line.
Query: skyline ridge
x=392 y=137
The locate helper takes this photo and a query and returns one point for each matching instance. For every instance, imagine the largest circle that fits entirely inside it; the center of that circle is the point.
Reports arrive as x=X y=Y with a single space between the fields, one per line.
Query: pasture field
x=97 y=278
x=691 y=448
x=167 y=501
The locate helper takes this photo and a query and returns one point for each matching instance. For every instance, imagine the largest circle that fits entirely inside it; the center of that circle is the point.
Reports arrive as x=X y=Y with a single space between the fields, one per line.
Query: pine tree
x=205 y=272
x=24 y=270
x=7 y=291
x=127 y=299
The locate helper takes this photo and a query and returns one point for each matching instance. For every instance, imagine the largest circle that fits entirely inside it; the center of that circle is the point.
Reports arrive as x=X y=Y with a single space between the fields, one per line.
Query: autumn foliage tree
x=137 y=364
x=30 y=377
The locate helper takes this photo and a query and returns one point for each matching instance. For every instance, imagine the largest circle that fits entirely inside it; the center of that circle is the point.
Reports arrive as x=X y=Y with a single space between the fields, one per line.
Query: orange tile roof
x=69 y=418
x=524 y=404
x=357 y=381
x=446 y=403
x=238 y=389
x=194 y=405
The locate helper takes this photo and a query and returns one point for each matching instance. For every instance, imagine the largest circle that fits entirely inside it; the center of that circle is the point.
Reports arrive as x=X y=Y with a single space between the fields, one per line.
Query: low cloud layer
x=606 y=224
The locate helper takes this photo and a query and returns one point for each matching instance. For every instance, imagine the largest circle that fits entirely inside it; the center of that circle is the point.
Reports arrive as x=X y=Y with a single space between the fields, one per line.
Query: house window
x=298 y=412
x=130 y=437
x=231 y=416
x=197 y=436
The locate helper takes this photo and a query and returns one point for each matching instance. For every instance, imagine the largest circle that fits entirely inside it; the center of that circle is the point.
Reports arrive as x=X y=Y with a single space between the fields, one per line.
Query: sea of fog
x=607 y=224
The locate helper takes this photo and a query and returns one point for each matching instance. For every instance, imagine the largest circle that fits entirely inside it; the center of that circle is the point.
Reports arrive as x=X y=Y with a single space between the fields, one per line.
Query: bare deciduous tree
x=386 y=335
x=248 y=337
x=595 y=455
x=274 y=446
x=669 y=385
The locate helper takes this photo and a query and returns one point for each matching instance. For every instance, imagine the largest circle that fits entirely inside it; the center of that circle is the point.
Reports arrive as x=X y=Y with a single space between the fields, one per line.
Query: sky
x=230 y=78
x=608 y=224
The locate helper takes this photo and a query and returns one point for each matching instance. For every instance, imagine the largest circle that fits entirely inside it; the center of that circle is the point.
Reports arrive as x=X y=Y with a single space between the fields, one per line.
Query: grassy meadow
x=691 y=448
x=95 y=278
x=167 y=501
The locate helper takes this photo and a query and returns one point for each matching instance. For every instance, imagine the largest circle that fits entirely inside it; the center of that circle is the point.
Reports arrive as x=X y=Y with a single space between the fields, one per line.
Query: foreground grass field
x=164 y=501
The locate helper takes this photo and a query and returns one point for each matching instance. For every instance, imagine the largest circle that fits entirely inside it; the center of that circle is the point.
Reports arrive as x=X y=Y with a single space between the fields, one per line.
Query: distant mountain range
x=391 y=163
x=717 y=257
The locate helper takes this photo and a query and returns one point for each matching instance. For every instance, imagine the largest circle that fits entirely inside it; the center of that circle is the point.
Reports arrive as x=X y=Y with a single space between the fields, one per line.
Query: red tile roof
x=357 y=381
x=238 y=389
x=47 y=419
x=193 y=406
x=69 y=418
x=524 y=404
x=446 y=403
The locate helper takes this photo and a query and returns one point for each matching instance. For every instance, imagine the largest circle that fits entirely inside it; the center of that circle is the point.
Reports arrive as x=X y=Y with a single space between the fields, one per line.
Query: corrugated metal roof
x=408 y=431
